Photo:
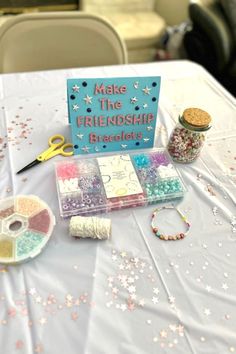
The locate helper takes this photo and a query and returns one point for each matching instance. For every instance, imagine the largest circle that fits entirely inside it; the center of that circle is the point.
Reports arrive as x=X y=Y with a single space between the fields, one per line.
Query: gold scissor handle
x=55 y=148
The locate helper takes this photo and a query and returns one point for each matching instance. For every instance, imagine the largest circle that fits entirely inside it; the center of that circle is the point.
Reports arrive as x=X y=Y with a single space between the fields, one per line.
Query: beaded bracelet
x=169 y=237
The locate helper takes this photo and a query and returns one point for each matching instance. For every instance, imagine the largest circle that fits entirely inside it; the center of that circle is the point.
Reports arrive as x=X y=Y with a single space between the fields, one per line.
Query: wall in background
x=173 y=11
x=18 y=6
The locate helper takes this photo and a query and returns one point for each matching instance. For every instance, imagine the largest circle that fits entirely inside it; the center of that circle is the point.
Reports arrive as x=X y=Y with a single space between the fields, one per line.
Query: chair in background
x=137 y=22
x=55 y=40
x=211 y=41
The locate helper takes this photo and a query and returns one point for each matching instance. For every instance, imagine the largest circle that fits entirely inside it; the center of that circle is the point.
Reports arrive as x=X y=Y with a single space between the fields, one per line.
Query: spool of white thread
x=92 y=227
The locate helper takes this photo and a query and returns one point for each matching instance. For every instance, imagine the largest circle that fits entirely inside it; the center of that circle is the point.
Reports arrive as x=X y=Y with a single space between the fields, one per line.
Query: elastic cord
x=155 y=229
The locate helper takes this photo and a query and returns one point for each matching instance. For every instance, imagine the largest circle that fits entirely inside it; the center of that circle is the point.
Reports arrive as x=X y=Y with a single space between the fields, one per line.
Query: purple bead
x=148 y=174
x=159 y=158
x=90 y=184
x=90 y=203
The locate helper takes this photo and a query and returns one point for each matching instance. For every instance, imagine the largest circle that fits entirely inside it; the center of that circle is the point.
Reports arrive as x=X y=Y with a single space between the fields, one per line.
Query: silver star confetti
x=225 y=286
x=156 y=291
x=75 y=88
x=207 y=312
x=85 y=149
x=80 y=136
x=208 y=288
x=134 y=100
x=88 y=99
x=75 y=107
x=155 y=300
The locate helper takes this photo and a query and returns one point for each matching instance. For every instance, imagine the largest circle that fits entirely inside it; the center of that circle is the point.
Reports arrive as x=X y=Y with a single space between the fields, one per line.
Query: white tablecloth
x=76 y=296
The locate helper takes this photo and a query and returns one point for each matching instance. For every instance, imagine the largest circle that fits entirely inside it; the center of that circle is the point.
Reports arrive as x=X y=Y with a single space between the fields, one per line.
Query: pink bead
x=66 y=170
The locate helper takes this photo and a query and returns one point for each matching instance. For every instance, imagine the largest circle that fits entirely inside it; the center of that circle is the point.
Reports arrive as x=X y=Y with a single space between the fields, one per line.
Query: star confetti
x=74 y=316
x=19 y=344
x=38 y=348
x=88 y=99
x=80 y=136
x=225 y=286
x=75 y=107
x=163 y=334
x=156 y=291
x=85 y=149
x=155 y=300
x=146 y=90
x=171 y=299
x=42 y=320
x=208 y=288
x=75 y=88
x=134 y=100
x=207 y=312
x=32 y=291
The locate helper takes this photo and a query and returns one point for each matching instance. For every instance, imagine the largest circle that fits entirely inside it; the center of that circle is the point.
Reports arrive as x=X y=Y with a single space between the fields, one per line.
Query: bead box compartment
x=26 y=224
x=142 y=179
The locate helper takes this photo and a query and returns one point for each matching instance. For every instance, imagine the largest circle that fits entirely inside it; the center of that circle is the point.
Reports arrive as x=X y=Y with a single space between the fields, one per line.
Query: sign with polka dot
x=112 y=114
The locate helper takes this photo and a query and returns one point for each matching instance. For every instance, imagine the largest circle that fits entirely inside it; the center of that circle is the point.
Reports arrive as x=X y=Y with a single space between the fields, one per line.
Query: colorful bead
x=163 y=189
x=90 y=184
x=87 y=204
x=159 y=158
x=157 y=177
x=6 y=212
x=141 y=161
x=28 y=242
x=185 y=145
x=69 y=185
x=40 y=222
x=6 y=248
x=67 y=170
x=168 y=237
x=27 y=206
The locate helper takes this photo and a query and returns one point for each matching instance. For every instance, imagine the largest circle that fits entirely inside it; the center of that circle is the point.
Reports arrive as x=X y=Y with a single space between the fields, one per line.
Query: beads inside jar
x=187 y=138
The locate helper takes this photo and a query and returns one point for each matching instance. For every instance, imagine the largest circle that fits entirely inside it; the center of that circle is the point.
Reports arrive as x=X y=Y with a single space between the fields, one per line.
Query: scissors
x=55 y=148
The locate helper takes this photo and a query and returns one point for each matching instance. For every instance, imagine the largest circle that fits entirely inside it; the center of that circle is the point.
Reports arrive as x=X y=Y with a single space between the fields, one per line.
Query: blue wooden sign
x=113 y=114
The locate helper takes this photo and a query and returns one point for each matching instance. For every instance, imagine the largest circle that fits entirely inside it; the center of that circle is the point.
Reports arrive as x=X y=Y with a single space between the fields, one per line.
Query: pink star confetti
x=74 y=316
x=38 y=348
x=12 y=312
x=19 y=344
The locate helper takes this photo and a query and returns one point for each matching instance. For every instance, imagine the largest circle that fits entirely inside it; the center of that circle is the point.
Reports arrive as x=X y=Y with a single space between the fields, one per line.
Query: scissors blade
x=32 y=164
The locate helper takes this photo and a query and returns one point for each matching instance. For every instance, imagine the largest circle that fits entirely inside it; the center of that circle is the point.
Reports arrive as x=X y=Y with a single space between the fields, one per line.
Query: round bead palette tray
x=26 y=224
x=88 y=186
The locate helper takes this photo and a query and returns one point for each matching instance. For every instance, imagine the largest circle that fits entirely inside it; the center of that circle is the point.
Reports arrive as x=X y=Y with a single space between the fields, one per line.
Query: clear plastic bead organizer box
x=93 y=185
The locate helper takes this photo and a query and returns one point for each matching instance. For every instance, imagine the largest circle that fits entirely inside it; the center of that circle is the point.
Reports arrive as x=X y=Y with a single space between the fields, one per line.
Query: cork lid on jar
x=196 y=117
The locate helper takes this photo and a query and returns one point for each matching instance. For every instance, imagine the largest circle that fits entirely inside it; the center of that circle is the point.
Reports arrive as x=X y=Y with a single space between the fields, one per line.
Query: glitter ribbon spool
x=26 y=224
x=92 y=227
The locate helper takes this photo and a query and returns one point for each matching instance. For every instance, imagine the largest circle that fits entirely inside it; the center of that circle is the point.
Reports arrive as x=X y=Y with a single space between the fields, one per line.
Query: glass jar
x=187 y=138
